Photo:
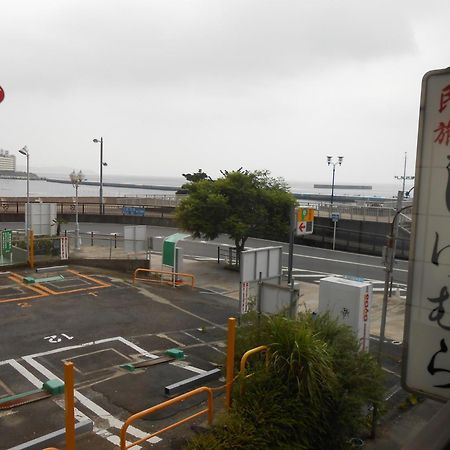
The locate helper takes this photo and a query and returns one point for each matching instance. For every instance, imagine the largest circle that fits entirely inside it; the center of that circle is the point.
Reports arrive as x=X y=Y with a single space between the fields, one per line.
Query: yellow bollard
x=31 y=249
x=230 y=360
x=69 y=405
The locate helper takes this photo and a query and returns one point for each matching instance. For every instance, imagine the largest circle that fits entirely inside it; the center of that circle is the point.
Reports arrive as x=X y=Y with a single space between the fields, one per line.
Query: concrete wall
x=355 y=236
x=351 y=235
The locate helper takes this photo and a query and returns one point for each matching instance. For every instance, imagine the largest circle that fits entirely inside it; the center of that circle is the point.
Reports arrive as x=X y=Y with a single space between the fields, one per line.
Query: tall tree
x=240 y=204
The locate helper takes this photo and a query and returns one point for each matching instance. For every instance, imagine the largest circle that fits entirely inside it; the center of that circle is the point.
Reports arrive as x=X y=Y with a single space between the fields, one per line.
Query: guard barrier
x=209 y=410
x=245 y=356
x=173 y=275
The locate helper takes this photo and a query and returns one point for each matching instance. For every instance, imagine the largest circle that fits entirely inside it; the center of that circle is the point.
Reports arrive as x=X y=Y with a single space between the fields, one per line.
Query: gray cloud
x=110 y=42
x=177 y=85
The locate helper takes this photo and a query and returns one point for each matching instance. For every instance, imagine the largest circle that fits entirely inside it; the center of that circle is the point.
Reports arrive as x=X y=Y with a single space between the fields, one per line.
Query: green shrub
x=314 y=393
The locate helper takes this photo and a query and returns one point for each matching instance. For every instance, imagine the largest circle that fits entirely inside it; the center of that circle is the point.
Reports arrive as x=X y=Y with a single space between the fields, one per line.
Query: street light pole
x=76 y=179
x=24 y=151
x=101 y=173
x=333 y=163
x=404 y=177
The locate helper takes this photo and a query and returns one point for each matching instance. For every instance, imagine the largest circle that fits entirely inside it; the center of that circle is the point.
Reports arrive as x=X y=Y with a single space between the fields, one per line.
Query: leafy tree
x=195 y=176
x=240 y=204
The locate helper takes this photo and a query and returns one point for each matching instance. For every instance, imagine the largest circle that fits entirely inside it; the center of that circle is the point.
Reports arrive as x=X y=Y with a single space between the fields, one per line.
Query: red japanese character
x=445 y=98
x=444 y=133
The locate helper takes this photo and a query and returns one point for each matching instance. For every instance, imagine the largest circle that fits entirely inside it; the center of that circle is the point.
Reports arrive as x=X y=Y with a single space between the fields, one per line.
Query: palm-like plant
x=312 y=395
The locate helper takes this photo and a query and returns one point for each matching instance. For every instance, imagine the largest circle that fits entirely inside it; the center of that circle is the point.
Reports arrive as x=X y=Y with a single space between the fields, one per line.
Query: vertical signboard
x=64 y=247
x=6 y=241
x=426 y=359
x=305 y=221
x=263 y=263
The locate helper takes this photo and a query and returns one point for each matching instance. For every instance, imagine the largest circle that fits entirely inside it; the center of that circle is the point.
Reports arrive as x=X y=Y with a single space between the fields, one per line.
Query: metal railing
x=173 y=277
x=245 y=357
x=163 y=206
x=209 y=410
x=366 y=213
x=150 y=205
x=228 y=254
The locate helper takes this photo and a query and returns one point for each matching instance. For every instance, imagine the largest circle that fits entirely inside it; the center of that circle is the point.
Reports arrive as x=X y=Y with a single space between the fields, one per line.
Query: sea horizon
x=41 y=188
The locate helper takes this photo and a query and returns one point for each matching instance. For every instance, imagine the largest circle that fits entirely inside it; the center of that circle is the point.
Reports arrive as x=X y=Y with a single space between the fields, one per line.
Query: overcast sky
x=173 y=86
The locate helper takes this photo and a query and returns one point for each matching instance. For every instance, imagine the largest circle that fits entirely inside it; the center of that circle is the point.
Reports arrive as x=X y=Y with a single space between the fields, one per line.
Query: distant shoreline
x=119 y=185
x=10 y=175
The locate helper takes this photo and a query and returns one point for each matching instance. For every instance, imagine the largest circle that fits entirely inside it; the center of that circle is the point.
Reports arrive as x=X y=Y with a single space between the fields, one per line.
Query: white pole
x=27 y=213
x=77 y=225
x=334 y=234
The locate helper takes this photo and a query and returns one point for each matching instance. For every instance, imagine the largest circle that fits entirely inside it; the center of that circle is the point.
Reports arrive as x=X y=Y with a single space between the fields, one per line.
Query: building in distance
x=7 y=161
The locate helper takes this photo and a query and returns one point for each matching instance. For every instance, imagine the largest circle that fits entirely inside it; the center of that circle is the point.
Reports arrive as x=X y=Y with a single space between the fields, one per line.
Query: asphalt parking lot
x=100 y=321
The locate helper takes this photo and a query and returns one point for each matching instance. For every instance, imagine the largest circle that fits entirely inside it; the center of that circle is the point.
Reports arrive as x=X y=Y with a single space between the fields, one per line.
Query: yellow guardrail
x=173 y=275
x=209 y=410
x=245 y=356
x=248 y=353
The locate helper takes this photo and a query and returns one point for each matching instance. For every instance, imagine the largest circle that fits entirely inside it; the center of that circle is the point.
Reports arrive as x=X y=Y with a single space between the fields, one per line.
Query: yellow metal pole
x=70 y=405
x=230 y=360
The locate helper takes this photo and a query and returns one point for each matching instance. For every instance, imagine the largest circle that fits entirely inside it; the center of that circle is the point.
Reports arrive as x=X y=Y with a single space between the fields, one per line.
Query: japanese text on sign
x=427 y=368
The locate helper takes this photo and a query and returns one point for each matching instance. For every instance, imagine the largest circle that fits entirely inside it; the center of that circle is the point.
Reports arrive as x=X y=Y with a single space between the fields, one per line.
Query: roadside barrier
x=173 y=277
x=245 y=357
x=209 y=410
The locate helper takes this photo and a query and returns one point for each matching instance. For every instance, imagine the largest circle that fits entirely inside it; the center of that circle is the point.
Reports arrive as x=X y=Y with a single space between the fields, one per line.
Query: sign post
x=6 y=244
x=426 y=368
x=305 y=221
x=334 y=217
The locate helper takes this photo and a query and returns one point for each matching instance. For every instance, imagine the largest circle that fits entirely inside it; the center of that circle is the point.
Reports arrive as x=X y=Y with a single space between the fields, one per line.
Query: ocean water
x=40 y=188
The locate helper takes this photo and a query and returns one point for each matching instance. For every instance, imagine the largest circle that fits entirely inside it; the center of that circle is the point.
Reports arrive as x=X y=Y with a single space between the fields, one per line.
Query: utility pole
x=291 y=243
x=404 y=177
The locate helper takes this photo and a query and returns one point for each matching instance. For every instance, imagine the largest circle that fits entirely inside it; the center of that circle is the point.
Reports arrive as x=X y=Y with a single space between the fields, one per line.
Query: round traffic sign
x=2 y=94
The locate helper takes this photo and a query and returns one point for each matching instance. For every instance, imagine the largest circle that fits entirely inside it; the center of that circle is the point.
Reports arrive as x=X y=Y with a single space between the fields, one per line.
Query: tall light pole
x=101 y=173
x=334 y=163
x=404 y=177
x=76 y=179
x=24 y=151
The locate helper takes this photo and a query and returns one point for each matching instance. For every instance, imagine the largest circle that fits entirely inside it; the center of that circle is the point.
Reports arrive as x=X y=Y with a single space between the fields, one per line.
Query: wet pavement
x=100 y=321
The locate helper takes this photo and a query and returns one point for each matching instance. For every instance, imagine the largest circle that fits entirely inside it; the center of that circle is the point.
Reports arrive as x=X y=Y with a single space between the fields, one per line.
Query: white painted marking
x=105 y=434
x=38 y=383
x=343 y=262
x=188 y=367
x=391 y=372
x=393 y=392
x=136 y=347
x=54 y=339
x=116 y=441
x=309 y=275
x=194 y=337
x=86 y=402
x=100 y=341
x=68 y=337
x=26 y=373
x=164 y=336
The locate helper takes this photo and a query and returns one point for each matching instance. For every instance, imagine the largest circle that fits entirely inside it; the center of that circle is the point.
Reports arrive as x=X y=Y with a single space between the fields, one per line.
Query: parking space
x=104 y=324
x=15 y=287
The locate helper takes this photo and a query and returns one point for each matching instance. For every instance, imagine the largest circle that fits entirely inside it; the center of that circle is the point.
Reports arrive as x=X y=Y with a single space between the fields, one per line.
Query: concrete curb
x=84 y=426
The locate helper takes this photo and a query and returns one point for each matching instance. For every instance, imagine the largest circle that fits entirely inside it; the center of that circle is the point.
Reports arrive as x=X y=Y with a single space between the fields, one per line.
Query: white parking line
x=85 y=401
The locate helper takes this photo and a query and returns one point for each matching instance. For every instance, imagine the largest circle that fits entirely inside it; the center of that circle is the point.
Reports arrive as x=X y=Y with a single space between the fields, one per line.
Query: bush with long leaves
x=313 y=394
